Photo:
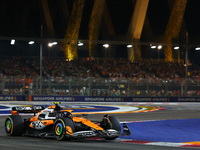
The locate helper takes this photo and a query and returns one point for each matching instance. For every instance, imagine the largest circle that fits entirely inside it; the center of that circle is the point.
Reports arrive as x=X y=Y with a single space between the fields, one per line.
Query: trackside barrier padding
x=113 y=99
x=98 y=99
x=12 y=97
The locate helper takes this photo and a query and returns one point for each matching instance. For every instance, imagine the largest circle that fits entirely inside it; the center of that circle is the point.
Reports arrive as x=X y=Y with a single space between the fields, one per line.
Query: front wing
x=85 y=134
x=104 y=134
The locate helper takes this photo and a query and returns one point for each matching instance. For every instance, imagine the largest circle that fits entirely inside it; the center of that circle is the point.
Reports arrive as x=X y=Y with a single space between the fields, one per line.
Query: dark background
x=121 y=11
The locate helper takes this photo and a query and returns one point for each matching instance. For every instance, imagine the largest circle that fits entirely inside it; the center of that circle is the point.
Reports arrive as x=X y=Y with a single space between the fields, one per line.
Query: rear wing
x=28 y=109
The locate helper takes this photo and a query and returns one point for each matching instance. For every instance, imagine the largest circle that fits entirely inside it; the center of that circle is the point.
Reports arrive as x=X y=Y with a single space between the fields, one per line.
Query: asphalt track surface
x=180 y=111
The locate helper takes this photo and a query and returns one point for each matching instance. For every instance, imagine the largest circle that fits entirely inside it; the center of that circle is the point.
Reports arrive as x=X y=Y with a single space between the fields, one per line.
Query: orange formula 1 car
x=55 y=122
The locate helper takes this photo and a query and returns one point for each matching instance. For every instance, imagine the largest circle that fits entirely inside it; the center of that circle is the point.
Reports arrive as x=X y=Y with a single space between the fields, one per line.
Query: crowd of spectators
x=59 y=69
x=14 y=66
x=116 y=68
x=84 y=67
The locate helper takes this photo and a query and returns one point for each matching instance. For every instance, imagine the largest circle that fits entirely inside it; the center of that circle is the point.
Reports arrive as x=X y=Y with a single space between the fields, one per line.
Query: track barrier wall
x=12 y=98
x=113 y=99
x=97 y=99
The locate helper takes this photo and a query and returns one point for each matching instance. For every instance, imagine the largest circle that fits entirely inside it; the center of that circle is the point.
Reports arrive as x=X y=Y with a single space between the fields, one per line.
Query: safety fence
x=105 y=87
x=90 y=86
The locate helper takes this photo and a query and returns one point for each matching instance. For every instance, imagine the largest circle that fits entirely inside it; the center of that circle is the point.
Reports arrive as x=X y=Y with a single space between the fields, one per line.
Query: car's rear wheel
x=114 y=124
x=14 y=125
x=63 y=129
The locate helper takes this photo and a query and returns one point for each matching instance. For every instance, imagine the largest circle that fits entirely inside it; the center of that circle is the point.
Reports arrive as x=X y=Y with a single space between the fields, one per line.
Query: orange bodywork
x=87 y=122
x=69 y=130
x=52 y=107
x=30 y=125
x=14 y=112
x=45 y=122
x=70 y=111
x=34 y=119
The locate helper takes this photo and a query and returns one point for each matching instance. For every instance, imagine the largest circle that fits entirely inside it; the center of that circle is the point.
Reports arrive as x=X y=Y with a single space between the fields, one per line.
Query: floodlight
x=153 y=47
x=160 y=47
x=12 y=42
x=197 y=48
x=80 y=44
x=106 y=45
x=54 y=43
x=50 y=44
x=31 y=42
x=176 y=47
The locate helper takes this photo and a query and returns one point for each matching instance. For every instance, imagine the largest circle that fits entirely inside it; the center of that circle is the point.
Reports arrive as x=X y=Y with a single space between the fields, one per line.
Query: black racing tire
x=63 y=127
x=115 y=124
x=14 y=125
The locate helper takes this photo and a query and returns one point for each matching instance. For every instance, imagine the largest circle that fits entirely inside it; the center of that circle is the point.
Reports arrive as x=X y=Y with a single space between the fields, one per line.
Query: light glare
x=50 y=44
x=80 y=44
x=12 y=42
x=31 y=42
x=54 y=43
x=176 y=47
x=153 y=47
x=106 y=45
x=197 y=48
x=160 y=47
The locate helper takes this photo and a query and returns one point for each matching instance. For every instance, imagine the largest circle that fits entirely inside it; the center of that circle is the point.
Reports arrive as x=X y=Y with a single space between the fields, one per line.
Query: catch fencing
x=91 y=86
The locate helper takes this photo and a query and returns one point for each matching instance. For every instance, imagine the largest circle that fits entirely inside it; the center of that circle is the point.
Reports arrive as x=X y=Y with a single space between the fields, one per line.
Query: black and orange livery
x=55 y=122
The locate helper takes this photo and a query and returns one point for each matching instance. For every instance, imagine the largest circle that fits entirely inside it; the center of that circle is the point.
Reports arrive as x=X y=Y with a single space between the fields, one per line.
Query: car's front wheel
x=114 y=124
x=63 y=129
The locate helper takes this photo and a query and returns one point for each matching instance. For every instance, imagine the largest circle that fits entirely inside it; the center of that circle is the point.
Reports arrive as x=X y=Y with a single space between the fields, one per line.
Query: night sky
x=120 y=11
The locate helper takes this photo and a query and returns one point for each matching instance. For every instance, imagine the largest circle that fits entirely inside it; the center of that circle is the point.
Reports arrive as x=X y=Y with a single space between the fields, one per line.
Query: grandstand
x=97 y=77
